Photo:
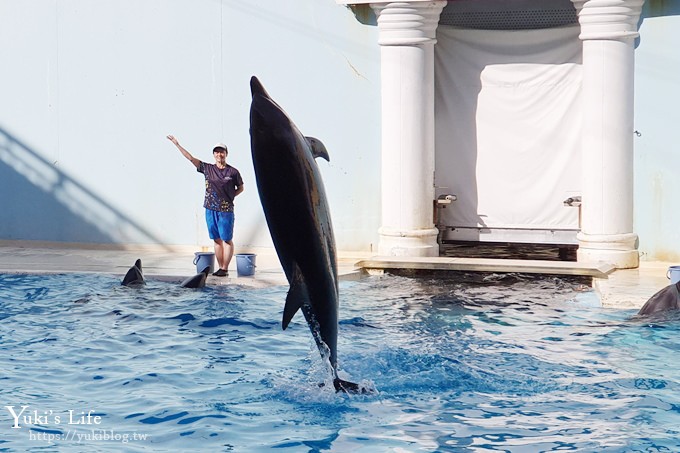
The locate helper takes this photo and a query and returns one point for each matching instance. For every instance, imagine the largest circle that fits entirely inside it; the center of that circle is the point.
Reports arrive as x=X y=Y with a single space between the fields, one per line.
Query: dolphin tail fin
x=318 y=148
x=350 y=387
x=296 y=298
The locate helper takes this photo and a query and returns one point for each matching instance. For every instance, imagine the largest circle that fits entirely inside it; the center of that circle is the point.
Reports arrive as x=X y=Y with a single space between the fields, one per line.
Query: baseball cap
x=220 y=145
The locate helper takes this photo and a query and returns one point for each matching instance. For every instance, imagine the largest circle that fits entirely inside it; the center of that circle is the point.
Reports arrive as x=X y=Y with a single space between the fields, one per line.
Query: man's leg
x=228 y=253
x=219 y=254
x=224 y=248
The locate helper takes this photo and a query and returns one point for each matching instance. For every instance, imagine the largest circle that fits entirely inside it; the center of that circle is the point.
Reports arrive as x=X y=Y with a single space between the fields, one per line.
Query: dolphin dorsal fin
x=134 y=275
x=318 y=148
x=296 y=298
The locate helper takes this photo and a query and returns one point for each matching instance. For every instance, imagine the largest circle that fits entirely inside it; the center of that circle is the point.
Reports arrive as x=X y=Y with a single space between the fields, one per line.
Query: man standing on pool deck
x=222 y=184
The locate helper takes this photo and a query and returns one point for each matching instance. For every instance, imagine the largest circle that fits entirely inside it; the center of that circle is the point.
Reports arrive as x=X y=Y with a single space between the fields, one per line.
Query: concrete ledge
x=598 y=270
x=622 y=288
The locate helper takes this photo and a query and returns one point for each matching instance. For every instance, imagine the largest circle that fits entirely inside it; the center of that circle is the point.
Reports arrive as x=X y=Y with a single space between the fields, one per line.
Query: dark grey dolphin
x=134 y=276
x=666 y=299
x=294 y=202
x=197 y=281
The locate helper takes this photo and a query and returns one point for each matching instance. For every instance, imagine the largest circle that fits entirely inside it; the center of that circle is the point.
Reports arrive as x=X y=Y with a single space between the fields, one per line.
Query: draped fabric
x=508 y=125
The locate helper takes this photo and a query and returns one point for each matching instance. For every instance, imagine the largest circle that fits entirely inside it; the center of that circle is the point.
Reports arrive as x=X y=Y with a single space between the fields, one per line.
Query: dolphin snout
x=256 y=88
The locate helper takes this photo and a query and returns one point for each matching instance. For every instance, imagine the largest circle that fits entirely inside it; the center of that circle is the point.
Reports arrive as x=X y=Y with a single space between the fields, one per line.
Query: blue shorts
x=220 y=224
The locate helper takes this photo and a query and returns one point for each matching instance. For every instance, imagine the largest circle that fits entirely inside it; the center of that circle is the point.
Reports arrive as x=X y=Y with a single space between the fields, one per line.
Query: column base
x=416 y=243
x=619 y=250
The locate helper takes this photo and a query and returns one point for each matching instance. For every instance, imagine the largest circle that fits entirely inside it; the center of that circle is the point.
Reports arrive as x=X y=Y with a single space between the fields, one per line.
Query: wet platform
x=601 y=270
x=172 y=264
x=628 y=289
x=616 y=288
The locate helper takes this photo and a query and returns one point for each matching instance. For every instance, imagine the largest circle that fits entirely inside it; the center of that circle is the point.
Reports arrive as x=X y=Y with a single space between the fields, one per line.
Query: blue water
x=473 y=364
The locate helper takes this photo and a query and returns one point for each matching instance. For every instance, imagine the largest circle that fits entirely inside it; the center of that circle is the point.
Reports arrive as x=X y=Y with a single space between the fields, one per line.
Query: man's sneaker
x=221 y=273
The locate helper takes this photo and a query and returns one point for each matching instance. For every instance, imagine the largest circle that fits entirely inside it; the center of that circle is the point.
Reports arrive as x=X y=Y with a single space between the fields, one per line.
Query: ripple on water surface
x=472 y=363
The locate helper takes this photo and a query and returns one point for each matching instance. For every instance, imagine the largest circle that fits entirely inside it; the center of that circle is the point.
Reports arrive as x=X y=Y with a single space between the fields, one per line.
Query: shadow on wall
x=40 y=203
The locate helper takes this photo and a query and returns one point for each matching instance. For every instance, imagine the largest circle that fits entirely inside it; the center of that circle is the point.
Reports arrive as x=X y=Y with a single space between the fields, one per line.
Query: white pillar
x=407 y=38
x=608 y=31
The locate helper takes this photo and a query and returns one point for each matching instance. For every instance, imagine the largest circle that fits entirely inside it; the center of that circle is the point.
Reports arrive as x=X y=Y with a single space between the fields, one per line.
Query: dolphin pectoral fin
x=318 y=148
x=294 y=301
x=296 y=298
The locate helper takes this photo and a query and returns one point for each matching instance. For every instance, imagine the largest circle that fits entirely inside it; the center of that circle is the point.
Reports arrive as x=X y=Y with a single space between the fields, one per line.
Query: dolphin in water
x=198 y=280
x=134 y=276
x=294 y=202
x=664 y=300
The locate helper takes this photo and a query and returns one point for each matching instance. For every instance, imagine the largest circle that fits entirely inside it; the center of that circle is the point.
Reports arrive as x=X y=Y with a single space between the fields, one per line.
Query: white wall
x=657 y=149
x=89 y=90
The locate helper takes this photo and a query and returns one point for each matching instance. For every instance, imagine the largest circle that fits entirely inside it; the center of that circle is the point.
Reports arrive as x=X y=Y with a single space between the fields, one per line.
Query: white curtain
x=508 y=124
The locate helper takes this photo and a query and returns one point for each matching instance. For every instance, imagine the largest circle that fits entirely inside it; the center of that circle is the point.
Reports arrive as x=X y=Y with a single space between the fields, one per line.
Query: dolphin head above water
x=667 y=299
x=270 y=123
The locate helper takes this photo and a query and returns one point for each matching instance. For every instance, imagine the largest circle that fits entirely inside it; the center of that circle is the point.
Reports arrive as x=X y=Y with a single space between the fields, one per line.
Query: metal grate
x=508 y=250
x=509 y=15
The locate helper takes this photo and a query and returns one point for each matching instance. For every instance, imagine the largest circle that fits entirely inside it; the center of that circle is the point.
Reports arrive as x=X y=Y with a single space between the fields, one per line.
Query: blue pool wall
x=90 y=90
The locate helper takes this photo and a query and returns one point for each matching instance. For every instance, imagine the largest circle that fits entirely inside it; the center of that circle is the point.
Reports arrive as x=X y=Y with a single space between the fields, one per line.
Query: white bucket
x=673 y=274
x=245 y=264
x=203 y=259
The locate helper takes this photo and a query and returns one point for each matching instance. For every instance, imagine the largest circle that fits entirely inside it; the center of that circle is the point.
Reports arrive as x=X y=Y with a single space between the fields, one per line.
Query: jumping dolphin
x=666 y=299
x=134 y=276
x=198 y=280
x=294 y=202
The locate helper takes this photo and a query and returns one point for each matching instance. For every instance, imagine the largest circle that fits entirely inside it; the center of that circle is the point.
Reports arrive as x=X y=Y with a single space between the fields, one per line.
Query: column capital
x=608 y=19
x=408 y=23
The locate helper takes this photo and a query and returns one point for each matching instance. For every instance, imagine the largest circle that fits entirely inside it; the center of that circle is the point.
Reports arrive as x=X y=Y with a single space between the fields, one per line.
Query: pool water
x=475 y=363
